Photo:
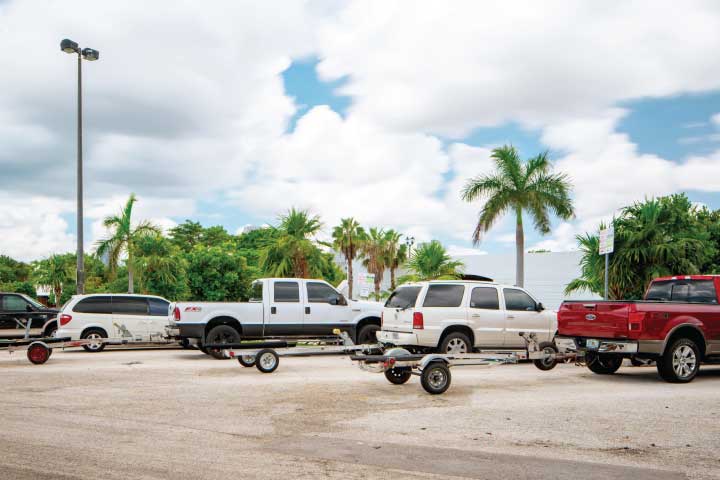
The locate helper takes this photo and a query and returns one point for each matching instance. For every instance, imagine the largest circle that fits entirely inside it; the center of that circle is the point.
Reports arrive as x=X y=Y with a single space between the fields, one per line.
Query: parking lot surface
x=166 y=413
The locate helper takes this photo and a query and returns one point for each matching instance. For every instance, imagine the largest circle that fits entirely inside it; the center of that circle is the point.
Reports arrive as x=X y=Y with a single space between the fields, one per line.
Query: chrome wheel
x=456 y=345
x=97 y=343
x=268 y=361
x=437 y=378
x=548 y=354
x=684 y=361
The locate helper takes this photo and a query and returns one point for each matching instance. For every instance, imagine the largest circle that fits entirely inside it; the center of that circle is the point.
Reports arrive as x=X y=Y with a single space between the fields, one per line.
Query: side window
x=403 y=297
x=14 y=303
x=485 y=297
x=659 y=291
x=444 y=296
x=702 y=291
x=286 y=292
x=680 y=292
x=99 y=305
x=158 y=307
x=518 y=300
x=320 y=293
x=129 y=306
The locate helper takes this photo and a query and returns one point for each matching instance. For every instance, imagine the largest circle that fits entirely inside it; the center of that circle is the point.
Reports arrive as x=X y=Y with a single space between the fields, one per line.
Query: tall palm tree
x=374 y=251
x=123 y=238
x=430 y=261
x=518 y=186
x=347 y=239
x=54 y=272
x=293 y=253
x=396 y=252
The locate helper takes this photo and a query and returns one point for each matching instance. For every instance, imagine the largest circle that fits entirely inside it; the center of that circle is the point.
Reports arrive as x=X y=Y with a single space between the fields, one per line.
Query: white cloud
x=460 y=251
x=715 y=119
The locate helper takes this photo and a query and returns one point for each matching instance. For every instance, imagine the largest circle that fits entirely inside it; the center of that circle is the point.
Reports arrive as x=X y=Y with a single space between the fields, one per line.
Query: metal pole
x=80 y=278
x=607 y=263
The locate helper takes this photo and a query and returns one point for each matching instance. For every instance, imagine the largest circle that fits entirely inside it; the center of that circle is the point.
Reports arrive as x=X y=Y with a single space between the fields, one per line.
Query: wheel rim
x=248 y=358
x=97 y=341
x=397 y=373
x=547 y=356
x=684 y=361
x=456 y=345
x=38 y=354
x=267 y=361
x=437 y=378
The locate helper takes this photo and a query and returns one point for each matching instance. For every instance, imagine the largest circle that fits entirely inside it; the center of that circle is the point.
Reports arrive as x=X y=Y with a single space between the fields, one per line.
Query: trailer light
x=418 y=321
x=65 y=319
x=176 y=314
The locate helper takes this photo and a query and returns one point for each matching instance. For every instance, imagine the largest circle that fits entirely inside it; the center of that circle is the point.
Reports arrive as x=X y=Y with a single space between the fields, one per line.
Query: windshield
x=34 y=303
x=403 y=297
x=256 y=291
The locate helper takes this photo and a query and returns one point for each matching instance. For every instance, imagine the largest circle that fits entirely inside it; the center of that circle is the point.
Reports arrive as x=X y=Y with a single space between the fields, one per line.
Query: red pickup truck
x=677 y=325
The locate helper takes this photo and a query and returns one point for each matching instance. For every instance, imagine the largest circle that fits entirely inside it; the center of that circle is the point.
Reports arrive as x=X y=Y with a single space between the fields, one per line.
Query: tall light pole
x=409 y=242
x=68 y=46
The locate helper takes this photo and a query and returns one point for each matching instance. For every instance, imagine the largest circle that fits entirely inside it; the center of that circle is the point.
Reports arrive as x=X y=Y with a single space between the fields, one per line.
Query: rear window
x=158 y=307
x=444 y=296
x=403 y=297
x=130 y=306
x=100 y=305
x=693 y=291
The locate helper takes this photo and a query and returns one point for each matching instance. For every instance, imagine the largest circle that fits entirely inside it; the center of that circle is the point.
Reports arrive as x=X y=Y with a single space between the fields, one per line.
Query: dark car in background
x=16 y=309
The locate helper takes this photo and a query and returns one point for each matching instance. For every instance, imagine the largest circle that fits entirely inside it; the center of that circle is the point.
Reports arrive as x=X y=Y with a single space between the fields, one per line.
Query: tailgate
x=397 y=320
x=594 y=319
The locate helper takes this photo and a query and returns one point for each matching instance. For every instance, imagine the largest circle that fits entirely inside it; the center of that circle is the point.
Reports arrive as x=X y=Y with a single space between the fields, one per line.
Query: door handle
x=475 y=315
x=511 y=316
x=273 y=310
x=307 y=310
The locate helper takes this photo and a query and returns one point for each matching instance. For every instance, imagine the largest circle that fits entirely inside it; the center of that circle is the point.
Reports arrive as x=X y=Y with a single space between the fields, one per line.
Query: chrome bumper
x=569 y=344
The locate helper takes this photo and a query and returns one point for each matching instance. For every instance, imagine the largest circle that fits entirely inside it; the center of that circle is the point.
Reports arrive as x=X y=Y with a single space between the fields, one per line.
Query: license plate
x=592 y=344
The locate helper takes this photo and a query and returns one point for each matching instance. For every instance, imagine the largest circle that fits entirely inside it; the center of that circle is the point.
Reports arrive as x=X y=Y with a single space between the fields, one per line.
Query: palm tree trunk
x=520 y=251
x=131 y=286
x=378 y=279
x=350 y=277
x=392 y=278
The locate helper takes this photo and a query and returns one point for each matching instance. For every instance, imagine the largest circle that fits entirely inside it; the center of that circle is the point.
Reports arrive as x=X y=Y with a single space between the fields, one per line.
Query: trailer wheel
x=398 y=376
x=548 y=362
x=267 y=360
x=603 y=364
x=38 y=353
x=246 y=360
x=436 y=378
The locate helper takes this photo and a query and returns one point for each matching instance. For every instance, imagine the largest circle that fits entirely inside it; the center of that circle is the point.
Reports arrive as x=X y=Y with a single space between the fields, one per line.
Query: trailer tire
x=603 y=364
x=546 y=364
x=221 y=334
x=246 y=360
x=680 y=357
x=94 y=333
x=38 y=353
x=267 y=360
x=436 y=378
x=399 y=375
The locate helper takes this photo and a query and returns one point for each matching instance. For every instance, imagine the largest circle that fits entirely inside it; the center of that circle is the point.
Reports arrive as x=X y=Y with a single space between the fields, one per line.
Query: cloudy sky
x=231 y=112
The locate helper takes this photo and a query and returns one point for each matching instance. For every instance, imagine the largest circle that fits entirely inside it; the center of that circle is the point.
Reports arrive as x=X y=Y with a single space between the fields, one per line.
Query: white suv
x=135 y=318
x=459 y=316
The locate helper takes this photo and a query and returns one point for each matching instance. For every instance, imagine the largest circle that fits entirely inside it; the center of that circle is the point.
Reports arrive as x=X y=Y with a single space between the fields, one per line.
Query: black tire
x=218 y=335
x=680 y=362
x=546 y=364
x=398 y=376
x=246 y=361
x=436 y=378
x=457 y=342
x=38 y=353
x=603 y=364
x=50 y=332
x=185 y=343
x=367 y=334
x=94 y=333
x=267 y=360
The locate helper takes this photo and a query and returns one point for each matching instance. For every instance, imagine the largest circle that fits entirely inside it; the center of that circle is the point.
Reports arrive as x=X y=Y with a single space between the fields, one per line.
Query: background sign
x=367 y=284
x=607 y=240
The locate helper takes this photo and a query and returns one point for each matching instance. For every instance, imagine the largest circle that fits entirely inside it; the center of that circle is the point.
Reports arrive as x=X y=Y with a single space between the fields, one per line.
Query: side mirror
x=540 y=307
x=333 y=300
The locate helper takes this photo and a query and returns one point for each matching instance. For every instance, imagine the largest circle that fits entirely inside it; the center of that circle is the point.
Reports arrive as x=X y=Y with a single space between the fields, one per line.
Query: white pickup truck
x=278 y=307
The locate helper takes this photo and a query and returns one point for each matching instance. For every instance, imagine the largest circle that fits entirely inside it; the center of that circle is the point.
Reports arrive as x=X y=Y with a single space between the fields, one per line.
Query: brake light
x=65 y=319
x=418 y=321
x=635 y=321
x=176 y=314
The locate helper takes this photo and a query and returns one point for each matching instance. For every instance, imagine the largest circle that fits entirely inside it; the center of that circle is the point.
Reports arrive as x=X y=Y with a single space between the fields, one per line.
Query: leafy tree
x=430 y=261
x=519 y=186
x=396 y=252
x=251 y=244
x=347 y=239
x=55 y=272
x=658 y=237
x=374 y=251
x=293 y=253
x=186 y=235
x=123 y=239
x=162 y=268
x=19 y=287
x=218 y=274
x=12 y=270
x=213 y=236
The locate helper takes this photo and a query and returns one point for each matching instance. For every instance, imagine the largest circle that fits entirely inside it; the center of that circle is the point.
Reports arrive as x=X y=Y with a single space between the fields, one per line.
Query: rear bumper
x=397 y=338
x=190 y=330
x=604 y=345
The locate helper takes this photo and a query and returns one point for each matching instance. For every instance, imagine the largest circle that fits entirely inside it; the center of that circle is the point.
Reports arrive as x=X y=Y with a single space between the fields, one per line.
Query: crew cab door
x=285 y=315
x=522 y=315
x=486 y=318
x=325 y=309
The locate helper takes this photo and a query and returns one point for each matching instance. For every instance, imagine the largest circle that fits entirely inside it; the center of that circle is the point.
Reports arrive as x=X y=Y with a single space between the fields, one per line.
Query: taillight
x=418 y=321
x=176 y=314
x=635 y=321
x=65 y=319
